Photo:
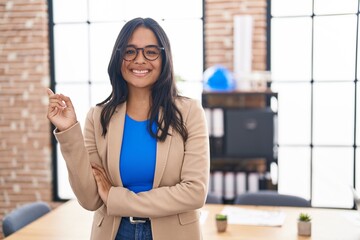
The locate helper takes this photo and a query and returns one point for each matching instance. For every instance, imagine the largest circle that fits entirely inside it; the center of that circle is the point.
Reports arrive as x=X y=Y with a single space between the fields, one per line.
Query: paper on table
x=352 y=217
x=243 y=216
x=203 y=216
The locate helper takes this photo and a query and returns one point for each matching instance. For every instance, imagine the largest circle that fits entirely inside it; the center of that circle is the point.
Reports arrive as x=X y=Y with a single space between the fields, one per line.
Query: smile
x=140 y=71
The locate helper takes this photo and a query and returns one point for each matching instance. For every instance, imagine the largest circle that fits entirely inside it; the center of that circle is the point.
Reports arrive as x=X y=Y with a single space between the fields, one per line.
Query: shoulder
x=94 y=112
x=188 y=105
x=186 y=102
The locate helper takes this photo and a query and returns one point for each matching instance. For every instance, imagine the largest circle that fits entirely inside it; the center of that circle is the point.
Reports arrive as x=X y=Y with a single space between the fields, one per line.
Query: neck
x=138 y=105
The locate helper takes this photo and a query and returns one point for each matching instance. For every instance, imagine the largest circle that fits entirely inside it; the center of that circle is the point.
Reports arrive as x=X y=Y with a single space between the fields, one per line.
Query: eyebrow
x=151 y=45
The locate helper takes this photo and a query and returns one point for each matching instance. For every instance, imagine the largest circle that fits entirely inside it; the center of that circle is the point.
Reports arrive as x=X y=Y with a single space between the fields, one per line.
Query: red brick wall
x=25 y=151
x=219 y=31
x=25 y=147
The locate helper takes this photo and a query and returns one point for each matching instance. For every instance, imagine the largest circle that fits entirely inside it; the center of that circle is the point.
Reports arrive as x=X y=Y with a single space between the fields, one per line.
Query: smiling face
x=141 y=73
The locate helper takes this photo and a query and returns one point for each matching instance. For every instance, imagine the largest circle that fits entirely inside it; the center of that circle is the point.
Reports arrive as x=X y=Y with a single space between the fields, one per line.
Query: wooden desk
x=327 y=224
x=71 y=221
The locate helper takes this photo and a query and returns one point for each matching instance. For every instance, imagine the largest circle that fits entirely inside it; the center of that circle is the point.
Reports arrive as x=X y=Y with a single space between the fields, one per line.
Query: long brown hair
x=164 y=91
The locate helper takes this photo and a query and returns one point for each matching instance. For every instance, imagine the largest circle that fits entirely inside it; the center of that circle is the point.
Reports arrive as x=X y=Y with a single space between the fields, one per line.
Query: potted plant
x=221 y=222
x=304 y=224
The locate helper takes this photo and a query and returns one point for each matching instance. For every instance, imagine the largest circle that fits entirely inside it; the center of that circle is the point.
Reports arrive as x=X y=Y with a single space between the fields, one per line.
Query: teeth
x=140 y=71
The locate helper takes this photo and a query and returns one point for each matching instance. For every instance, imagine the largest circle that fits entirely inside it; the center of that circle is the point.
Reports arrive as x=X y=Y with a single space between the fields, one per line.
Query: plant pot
x=221 y=225
x=304 y=228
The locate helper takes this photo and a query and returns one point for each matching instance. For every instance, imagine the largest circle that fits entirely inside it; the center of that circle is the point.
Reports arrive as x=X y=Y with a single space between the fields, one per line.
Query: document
x=244 y=216
x=352 y=217
x=203 y=216
x=240 y=183
x=229 y=192
x=218 y=183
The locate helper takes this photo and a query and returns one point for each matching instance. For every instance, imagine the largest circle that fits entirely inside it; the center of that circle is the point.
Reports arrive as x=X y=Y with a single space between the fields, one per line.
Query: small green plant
x=304 y=217
x=221 y=217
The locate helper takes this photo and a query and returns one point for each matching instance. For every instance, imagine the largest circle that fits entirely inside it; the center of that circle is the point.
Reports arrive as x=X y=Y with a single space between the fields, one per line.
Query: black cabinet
x=249 y=133
x=242 y=129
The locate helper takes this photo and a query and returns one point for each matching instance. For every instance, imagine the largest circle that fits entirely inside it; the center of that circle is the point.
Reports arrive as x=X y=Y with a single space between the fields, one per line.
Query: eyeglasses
x=150 y=52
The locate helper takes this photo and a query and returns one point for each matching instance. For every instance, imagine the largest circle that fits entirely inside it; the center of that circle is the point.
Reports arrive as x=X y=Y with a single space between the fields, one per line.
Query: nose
x=140 y=58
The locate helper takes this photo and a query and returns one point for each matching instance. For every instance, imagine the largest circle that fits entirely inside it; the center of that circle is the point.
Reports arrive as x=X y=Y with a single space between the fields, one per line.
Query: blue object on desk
x=218 y=78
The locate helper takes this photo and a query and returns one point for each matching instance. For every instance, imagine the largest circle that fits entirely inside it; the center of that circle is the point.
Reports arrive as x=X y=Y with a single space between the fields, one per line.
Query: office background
x=26 y=168
x=26 y=156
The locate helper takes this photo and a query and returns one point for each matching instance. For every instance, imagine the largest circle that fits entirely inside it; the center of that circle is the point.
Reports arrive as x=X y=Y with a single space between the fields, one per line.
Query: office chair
x=213 y=199
x=270 y=198
x=23 y=215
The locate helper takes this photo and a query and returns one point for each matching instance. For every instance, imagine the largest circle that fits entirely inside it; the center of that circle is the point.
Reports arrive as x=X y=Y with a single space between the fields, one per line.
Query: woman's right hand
x=61 y=111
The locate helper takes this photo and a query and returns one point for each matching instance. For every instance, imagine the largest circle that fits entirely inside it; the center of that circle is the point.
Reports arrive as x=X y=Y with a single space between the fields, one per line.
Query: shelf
x=237 y=99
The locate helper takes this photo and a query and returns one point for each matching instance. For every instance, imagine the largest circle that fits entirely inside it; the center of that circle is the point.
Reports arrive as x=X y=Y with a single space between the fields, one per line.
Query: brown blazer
x=180 y=181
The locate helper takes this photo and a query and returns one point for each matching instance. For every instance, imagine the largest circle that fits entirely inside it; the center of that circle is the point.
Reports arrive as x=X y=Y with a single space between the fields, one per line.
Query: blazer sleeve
x=77 y=158
x=186 y=195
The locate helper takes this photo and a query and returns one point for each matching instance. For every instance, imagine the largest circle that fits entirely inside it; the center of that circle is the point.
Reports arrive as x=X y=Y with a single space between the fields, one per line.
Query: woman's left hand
x=102 y=181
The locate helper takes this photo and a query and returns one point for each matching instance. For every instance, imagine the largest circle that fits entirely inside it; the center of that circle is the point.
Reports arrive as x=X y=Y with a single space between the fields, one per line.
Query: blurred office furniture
x=24 y=215
x=71 y=221
x=242 y=131
x=271 y=198
x=213 y=199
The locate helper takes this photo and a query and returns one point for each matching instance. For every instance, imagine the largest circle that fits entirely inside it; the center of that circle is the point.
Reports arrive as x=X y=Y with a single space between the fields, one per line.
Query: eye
x=130 y=51
x=151 y=51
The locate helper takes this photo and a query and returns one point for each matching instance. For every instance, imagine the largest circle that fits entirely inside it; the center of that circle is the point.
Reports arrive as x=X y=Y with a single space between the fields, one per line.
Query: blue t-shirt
x=138 y=156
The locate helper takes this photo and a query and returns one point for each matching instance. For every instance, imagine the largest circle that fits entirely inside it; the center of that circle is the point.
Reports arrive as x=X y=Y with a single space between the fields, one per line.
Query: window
x=83 y=35
x=314 y=65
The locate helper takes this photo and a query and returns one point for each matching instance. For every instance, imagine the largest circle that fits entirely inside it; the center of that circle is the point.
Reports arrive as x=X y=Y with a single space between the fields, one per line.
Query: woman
x=143 y=161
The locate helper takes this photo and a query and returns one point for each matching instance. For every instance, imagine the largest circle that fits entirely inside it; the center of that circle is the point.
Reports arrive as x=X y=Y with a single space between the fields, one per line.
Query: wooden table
x=327 y=224
x=71 y=221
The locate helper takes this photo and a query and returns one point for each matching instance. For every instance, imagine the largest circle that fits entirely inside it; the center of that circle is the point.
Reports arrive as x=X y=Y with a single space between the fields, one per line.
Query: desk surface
x=71 y=221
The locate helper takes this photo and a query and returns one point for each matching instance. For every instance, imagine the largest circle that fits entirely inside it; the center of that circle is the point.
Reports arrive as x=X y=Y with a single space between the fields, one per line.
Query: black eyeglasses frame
x=143 y=52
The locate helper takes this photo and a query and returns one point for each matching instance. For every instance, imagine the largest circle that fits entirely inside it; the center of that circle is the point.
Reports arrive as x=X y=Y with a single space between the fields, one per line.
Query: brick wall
x=219 y=31
x=25 y=148
x=25 y=151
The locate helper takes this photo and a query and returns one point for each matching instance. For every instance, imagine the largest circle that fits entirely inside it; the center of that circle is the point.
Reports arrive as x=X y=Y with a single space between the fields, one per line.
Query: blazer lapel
x=162 y=152
x=115 y=136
